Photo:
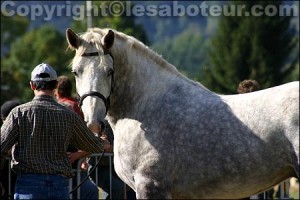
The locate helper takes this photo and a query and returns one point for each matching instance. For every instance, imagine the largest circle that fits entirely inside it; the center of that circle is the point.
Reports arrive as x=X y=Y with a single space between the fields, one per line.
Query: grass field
x=294 y=193
x=294 y=189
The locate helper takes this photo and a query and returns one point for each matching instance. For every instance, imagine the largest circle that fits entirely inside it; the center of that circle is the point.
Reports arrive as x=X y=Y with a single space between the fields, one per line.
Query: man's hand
x=73 y=156
x=106 y=143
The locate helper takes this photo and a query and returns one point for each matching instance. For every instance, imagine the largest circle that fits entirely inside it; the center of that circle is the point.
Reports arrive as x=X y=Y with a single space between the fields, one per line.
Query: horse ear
x=72 y=38
x=108 y=40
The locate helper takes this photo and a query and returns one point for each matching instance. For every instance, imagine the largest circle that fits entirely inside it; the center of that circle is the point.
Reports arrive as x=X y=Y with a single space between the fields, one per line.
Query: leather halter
x=95 y=93
x=90 y=54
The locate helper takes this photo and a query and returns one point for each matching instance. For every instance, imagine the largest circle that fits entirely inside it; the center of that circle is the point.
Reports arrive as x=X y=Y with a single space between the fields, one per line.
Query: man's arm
x=9 y=135
x=84 y=139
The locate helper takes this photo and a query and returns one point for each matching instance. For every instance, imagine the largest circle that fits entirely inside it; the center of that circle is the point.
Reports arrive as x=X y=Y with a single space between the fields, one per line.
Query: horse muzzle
x=96 y=127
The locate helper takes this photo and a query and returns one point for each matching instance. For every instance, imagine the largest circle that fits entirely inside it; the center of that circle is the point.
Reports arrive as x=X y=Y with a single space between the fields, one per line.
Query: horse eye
x=75 y=73
x=110 y=72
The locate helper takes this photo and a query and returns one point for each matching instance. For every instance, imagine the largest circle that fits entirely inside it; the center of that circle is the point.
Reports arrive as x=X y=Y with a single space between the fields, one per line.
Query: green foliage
x=185 y=51
x=243 y=47
x=251 y=48
x=294 y=75
x=41 y=45
x=9 y=32
x=121 y=23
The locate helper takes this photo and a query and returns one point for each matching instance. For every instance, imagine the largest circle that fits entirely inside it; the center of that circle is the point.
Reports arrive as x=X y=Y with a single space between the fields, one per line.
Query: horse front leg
x=149 y=188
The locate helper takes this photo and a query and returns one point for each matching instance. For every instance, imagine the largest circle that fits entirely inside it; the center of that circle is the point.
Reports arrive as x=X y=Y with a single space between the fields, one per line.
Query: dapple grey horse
x=173 y=137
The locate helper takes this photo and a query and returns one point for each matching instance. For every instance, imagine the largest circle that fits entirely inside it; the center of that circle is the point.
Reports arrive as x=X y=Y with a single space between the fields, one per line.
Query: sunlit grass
x=294 y=193
x=102 y=194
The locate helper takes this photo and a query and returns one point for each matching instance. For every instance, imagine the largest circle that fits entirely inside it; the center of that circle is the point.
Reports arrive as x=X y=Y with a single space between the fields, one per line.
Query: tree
x=11 y=33
x=186 y=51
x=45 y=44
x=251 y=48
x=121 y=23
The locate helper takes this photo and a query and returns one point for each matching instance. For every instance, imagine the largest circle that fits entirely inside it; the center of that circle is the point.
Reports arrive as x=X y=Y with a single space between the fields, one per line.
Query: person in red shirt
x=63 y=93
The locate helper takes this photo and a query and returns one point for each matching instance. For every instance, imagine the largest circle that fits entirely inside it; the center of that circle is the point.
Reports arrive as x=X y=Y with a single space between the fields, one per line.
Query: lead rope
x=92 y=170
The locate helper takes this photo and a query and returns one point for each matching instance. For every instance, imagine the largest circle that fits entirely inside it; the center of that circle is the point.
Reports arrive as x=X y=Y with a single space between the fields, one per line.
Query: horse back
x=273 y=115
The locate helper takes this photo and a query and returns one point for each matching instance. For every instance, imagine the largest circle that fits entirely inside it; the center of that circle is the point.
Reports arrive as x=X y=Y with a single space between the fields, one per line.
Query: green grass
x=294 y=193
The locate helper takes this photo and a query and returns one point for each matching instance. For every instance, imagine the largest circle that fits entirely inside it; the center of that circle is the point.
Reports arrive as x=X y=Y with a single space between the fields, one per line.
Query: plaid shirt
x=41 y=131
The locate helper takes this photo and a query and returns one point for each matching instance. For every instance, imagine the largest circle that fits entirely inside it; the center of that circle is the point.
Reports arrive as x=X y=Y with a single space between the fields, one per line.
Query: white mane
x=95 y=34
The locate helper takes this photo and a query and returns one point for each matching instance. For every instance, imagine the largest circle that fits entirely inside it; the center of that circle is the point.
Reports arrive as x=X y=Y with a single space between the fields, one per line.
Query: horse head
x=93 y=69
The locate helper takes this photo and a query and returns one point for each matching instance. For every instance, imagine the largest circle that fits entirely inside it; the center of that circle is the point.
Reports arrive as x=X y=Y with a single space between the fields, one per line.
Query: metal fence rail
x=77 y=172
x=283 y=193
x=284 y=188
x=97 y=156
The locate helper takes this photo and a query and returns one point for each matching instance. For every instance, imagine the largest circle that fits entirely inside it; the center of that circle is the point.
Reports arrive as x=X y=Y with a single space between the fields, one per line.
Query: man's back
x=41 y=132
x=44 y=129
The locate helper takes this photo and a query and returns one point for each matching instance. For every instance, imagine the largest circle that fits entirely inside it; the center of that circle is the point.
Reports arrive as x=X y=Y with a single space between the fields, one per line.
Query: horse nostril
x=94 y=127
x=102 y=126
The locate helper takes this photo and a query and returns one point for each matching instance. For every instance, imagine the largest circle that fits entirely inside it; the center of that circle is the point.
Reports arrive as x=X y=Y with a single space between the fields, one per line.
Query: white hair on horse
x=173 y=137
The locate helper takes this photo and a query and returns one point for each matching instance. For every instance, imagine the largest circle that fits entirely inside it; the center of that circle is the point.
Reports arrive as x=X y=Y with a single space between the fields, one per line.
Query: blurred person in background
x=6 y=107
x=247 y=86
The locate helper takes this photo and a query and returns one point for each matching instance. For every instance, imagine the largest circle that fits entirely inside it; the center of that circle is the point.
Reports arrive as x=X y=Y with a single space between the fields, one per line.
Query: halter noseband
x=95 y=93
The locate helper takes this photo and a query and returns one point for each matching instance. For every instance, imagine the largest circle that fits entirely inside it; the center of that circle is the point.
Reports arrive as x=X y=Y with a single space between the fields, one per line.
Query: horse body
x=207 y=158
x=176 y=139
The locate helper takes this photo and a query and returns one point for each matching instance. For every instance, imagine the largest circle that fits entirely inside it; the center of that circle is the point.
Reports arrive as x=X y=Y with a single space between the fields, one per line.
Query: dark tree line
x=260 y=48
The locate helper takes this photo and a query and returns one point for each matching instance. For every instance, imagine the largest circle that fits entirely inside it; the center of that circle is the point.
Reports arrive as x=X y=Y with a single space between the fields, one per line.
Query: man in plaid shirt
x=40 y=132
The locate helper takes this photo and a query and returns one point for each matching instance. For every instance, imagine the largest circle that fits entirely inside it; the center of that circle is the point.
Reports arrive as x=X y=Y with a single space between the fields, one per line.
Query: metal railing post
x=9 y=179
x=70 y=187
x=110 y=178
x=78 y=177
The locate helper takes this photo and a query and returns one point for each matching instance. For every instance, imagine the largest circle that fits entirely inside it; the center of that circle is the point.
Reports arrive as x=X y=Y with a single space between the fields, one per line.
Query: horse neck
x=138 y=77
x=141 y=78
